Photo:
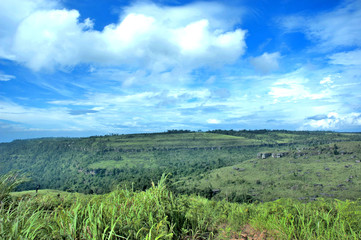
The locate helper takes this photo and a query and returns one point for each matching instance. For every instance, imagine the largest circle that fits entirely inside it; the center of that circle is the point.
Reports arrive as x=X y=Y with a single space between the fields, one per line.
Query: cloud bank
x=333 y=121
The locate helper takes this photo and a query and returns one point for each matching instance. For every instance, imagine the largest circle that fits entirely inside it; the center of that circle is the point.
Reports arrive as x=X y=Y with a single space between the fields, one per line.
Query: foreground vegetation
x=158 y=214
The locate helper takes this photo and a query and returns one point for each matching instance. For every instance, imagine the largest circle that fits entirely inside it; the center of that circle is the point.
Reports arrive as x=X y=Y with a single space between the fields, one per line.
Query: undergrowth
x=158 y=214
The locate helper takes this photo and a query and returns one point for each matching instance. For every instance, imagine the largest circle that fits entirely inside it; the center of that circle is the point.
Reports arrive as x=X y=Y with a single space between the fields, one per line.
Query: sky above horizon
x=76 y=68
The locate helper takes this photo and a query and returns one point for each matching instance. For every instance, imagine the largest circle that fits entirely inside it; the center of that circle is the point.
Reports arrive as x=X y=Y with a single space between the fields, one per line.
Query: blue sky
x=81 y=68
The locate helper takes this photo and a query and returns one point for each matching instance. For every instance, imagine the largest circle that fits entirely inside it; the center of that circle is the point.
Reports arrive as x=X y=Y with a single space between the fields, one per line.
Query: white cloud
x=303 y=84
x=213 y=121
x=141 y=100
x=219 y=15
x=33 y=117
x=294 y=89
x=346 y=58
x=12 y=12
x=6 y=77
x=266 y=63
x=326 y=80
x=337 y=28
x=335 y=121
x=333 y=115
x=147 y=35
x=98 y=111
x=49 y=38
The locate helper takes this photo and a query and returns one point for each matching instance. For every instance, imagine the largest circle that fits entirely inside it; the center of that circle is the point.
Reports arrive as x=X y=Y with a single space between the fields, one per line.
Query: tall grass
x=8 y=183
x=331 y=219
x=158 y=214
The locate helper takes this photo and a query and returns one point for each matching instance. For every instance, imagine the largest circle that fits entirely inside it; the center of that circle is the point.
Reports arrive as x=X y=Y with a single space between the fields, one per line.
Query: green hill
x=327 y=171
x=198 y=162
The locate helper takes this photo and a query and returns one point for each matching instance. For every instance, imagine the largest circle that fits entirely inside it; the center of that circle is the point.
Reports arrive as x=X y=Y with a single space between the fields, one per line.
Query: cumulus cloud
x=147 y=35
x=266 y=63
x=49 y=38
x=334 y=120
x=337 y=28
x=12 y=13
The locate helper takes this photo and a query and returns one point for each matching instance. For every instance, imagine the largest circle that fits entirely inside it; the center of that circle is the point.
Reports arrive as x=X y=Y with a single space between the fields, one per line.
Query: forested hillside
x=217 y=164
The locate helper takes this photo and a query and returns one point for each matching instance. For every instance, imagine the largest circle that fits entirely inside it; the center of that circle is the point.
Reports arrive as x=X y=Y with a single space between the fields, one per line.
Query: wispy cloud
x=81 y=111
x=346 y=58
x=339 y=27
x=6 y=77
x=296 y=87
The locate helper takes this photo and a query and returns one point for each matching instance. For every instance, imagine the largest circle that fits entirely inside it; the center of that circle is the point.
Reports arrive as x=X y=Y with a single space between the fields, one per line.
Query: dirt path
x=249 y=233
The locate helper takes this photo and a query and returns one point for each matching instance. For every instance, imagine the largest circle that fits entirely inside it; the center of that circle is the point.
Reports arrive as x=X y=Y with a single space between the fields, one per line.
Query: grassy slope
x=184 y=140
x=304 y=177
x=43 y=192
x=158 y=214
